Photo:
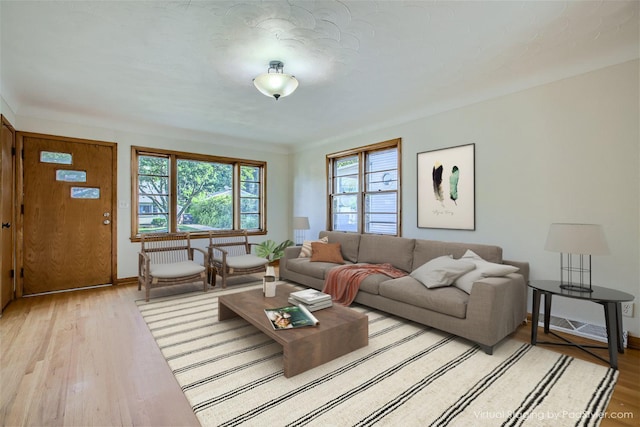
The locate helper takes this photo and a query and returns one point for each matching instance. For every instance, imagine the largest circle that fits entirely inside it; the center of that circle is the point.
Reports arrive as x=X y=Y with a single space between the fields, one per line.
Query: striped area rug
x=409 y=375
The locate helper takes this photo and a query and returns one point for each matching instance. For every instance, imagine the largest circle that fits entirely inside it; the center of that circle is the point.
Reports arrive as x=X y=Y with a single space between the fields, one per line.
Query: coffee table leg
x=315 y=350
x=225 y=312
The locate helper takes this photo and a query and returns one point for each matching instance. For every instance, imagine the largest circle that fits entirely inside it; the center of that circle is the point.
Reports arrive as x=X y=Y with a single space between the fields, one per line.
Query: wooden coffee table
x=340 y=331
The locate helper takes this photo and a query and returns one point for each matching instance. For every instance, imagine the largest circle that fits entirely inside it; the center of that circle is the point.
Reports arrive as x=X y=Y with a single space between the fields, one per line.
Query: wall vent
x=581 y=329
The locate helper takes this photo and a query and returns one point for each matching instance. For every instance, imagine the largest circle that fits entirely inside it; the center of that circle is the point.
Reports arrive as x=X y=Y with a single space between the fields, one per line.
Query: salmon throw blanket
x=343 y=282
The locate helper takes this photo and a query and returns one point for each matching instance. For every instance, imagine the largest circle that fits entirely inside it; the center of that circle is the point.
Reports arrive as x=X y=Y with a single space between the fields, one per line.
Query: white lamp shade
x=301 y=223
x=585 y=239
x=276 y=84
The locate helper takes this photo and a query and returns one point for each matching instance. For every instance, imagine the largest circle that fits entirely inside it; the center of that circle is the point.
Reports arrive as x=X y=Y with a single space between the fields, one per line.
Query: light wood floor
x=86 y=358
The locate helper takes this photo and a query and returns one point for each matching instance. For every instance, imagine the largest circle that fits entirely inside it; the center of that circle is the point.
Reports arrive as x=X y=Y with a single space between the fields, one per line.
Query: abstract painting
x=446 y=188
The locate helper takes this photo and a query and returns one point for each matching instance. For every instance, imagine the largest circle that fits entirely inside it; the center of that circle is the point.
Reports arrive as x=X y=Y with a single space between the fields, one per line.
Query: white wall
x=6 y=111
x=278 y=190
x=565 y=151
x=568 y=151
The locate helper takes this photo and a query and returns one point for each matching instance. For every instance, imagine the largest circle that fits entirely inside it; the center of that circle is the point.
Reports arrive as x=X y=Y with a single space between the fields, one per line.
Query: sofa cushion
x=426 y=250
x=305 y=251
x=483 y=269
x=326 y=252
x=304 y=266
x=377 y=249
x=441 y=271
x=371 y=284
x=349 y=243
x=448 y=300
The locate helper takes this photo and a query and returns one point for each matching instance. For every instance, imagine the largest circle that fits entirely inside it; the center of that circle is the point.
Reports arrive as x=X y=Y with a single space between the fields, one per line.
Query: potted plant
x=271 y=250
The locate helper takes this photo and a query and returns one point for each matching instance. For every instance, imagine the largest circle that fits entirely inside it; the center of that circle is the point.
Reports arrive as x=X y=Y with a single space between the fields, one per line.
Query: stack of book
x=311 y=299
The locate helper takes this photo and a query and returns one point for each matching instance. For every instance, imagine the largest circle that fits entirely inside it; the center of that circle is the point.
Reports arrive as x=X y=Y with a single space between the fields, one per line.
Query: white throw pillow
x=305 y=252
x=483 y=269
x=441 y=271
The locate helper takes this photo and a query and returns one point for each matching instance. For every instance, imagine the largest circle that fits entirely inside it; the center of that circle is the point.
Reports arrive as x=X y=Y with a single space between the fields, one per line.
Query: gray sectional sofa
x=494 y=308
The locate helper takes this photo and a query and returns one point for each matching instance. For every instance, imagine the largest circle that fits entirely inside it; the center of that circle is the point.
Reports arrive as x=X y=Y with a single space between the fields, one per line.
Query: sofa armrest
x=292 y=252
x=497 y=306
x=523 y=266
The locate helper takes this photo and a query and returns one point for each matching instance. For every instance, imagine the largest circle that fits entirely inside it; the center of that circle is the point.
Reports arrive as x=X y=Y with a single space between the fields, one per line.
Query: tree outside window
x=205 y=196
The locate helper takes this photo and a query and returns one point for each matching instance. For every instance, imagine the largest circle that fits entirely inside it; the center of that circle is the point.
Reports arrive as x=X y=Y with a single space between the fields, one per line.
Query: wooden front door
x=7 y=135
x=68 y=222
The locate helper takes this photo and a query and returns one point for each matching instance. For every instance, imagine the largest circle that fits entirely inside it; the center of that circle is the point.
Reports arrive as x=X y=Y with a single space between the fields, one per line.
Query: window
x=176 y=191
x=364 y=189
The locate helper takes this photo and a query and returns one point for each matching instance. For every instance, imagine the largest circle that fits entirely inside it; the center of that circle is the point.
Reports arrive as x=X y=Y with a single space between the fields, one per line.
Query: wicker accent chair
x=167 y=259
x=230 y=255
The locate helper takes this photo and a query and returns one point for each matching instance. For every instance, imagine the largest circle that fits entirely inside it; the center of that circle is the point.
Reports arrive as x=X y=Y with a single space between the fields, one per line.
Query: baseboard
x=593 y=332
x=633 y=342
x=127 y=281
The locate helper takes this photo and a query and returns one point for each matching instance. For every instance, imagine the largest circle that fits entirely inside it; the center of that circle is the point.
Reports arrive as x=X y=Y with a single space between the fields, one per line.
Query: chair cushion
x=245 y=261
x=176 y=269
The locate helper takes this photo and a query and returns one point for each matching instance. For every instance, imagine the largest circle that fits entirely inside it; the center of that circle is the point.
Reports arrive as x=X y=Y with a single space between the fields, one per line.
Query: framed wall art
x=446 y=188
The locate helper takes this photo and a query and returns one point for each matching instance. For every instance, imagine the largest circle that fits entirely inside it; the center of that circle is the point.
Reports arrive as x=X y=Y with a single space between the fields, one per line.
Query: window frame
x=173 y=158
x=362 y=191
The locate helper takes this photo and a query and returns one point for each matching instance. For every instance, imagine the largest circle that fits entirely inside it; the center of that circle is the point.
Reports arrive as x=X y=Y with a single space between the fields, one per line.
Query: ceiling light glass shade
x=276 y=84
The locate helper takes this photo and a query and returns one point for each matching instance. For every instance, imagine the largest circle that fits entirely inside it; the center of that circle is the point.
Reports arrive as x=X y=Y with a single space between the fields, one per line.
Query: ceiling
x=189 y=65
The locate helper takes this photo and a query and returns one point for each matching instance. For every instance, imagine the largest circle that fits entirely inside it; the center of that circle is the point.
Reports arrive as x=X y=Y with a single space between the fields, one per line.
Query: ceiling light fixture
x=274 y=82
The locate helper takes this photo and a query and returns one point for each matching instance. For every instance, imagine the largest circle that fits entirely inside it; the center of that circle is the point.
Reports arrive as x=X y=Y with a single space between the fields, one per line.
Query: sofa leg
x=486 y=348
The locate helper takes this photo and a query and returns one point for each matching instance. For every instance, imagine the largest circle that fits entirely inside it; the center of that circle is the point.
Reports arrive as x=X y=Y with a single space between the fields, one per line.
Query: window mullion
x=362 y=158
x=237 y=189
x=263 y=198
x=173 y=193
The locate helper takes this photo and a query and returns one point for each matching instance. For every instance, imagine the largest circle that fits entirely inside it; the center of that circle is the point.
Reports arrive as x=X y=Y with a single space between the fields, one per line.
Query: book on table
x=289 y=317
x=312 y=307
x=310 y=296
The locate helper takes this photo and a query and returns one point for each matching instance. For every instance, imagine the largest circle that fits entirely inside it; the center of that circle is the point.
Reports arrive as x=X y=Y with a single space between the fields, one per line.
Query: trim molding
x=126 y=281
x=633 y=343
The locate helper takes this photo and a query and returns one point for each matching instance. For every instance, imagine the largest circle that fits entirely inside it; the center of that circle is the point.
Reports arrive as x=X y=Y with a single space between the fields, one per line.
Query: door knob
x=106 y=222
x=6 y=224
